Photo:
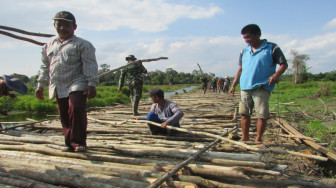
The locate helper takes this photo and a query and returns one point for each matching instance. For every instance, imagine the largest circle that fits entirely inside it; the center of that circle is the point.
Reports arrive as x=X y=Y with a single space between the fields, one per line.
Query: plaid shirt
x=68 y=66
x=170 y=111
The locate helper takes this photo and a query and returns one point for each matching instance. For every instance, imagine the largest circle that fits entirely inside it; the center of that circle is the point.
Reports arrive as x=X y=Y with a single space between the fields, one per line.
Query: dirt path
x=122 y=153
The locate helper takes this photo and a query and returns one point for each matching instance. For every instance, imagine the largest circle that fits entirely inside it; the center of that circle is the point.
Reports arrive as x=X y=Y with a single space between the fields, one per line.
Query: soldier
x=204 y=81
x=227 y=84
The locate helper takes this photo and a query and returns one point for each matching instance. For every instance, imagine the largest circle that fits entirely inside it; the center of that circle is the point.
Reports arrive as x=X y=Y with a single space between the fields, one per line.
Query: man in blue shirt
x=257 y=76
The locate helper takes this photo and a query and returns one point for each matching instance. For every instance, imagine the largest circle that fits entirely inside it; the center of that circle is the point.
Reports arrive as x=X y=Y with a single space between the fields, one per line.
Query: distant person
x=220 y=84
x=134 y=75
x=70 y=68
x=227 y=84
x=7 y=85
x=257 y=76
x=204 y=81
x=162 y=111
x=214 y=84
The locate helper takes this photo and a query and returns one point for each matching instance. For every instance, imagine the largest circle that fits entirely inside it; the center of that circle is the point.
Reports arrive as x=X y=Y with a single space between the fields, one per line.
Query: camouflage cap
x=131 y=57
x=65 y=15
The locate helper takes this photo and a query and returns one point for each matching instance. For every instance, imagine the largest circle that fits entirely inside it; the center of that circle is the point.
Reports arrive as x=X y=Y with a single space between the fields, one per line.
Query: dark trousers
x=151 y=116
x=72 y=112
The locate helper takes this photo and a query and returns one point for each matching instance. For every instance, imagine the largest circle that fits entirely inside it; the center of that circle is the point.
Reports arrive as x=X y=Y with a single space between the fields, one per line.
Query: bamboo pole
x=173 y=171
x=331 y=154
x=25 y=32
x=238 y=143
x=21 y=38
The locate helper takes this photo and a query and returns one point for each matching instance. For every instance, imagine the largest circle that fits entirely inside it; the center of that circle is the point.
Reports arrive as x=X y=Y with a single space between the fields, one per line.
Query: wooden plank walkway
x=122 y=153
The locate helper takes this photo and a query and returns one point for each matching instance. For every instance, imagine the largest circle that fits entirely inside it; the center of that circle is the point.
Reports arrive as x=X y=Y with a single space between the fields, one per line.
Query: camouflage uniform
x=204 y=81
x=134 y=78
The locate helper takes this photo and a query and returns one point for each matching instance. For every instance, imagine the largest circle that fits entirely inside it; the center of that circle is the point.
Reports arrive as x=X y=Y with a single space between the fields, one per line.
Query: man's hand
x=273 y=79
x=164 y=124
x=136 y=117
x=232 y=91
x=39 y=93
x=91 y=92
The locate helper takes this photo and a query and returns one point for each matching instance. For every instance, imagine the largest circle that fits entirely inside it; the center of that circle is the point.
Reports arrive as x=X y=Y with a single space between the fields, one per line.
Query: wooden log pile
x=122 y=153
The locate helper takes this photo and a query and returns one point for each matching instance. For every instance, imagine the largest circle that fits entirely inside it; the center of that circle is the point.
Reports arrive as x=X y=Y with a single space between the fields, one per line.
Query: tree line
x=297 y=73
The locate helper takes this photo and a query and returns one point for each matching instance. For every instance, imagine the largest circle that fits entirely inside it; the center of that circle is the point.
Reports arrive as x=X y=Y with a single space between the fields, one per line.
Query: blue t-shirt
x=259 y=66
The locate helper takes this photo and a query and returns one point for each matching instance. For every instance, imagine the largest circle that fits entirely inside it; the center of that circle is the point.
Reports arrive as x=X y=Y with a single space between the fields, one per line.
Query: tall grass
x=308 y=112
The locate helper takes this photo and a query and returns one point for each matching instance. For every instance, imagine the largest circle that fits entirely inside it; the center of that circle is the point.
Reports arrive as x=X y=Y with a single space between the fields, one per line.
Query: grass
x=106 y=96
x=308 y=112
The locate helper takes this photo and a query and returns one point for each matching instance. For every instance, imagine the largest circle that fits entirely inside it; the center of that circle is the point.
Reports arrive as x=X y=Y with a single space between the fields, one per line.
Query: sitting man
x=10 y=84
x=164 y=112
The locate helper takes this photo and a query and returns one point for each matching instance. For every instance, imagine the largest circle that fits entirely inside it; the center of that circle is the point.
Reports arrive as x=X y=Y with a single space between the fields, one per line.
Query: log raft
x=122 y=153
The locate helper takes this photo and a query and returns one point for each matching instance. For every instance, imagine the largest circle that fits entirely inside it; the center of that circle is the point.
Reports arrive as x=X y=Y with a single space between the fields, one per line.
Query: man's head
x=65 y=24
x=131 y=58
x=251 y=34
x=156 y=94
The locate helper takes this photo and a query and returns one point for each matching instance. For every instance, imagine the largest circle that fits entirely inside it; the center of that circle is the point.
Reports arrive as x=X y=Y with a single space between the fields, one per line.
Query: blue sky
x=187 y=31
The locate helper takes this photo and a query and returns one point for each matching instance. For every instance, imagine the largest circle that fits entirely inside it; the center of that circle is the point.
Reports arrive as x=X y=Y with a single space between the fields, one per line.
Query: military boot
x=135 y=106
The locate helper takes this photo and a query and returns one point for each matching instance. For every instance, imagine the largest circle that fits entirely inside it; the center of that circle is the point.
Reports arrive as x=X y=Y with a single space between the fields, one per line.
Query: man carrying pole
x=204 y=80
x=134 y=75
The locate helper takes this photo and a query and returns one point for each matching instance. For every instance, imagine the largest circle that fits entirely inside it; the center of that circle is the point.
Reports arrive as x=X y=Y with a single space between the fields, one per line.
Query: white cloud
x=99 y=15
x=331 y=24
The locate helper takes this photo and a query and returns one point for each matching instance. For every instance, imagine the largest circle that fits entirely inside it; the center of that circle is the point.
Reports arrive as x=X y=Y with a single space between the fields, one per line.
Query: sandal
x=81 y=148
x=68 y=149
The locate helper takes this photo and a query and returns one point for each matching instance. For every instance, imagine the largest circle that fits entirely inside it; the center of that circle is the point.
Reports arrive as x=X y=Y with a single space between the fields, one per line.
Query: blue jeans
x=151 y=116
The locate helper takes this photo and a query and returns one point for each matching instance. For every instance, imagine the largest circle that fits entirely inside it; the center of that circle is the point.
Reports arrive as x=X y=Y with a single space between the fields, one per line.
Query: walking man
x=134 y=75
x=257 y=76
x=70 y=68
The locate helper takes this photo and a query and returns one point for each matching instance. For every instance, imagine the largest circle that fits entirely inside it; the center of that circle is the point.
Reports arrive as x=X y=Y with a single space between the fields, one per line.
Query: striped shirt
x=68 y=66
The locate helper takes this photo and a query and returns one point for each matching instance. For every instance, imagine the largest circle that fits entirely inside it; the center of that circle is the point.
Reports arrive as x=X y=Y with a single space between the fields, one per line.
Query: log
x=173 y=171
x=21 y=183
x=331 y=154
x=239 y=143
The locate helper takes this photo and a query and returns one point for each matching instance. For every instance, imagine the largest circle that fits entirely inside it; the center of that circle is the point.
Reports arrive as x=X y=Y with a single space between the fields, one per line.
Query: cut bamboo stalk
x=329 y=153
x=174 y=170
x=239 y=143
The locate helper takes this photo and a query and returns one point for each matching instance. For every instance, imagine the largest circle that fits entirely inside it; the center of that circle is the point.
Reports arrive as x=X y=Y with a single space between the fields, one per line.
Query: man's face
x=251 y=39
x=65 y=29
x=154 y=99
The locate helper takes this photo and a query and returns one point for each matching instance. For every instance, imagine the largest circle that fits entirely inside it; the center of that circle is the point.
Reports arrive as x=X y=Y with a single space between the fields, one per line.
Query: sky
x=186 y=31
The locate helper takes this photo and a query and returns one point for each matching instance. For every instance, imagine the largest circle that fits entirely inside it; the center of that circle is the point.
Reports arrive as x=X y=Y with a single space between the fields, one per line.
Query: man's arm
x=43 y=77
x=236 y=80
x=275 y=77
x=90 y=68
x=178 y=114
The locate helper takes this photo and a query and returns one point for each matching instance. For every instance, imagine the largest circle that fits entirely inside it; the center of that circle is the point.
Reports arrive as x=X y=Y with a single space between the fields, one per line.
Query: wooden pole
x=25 y=32
x=173 y=171
x=144 y=60
x=22 y=38
x=237 y=143
x=329 y=153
